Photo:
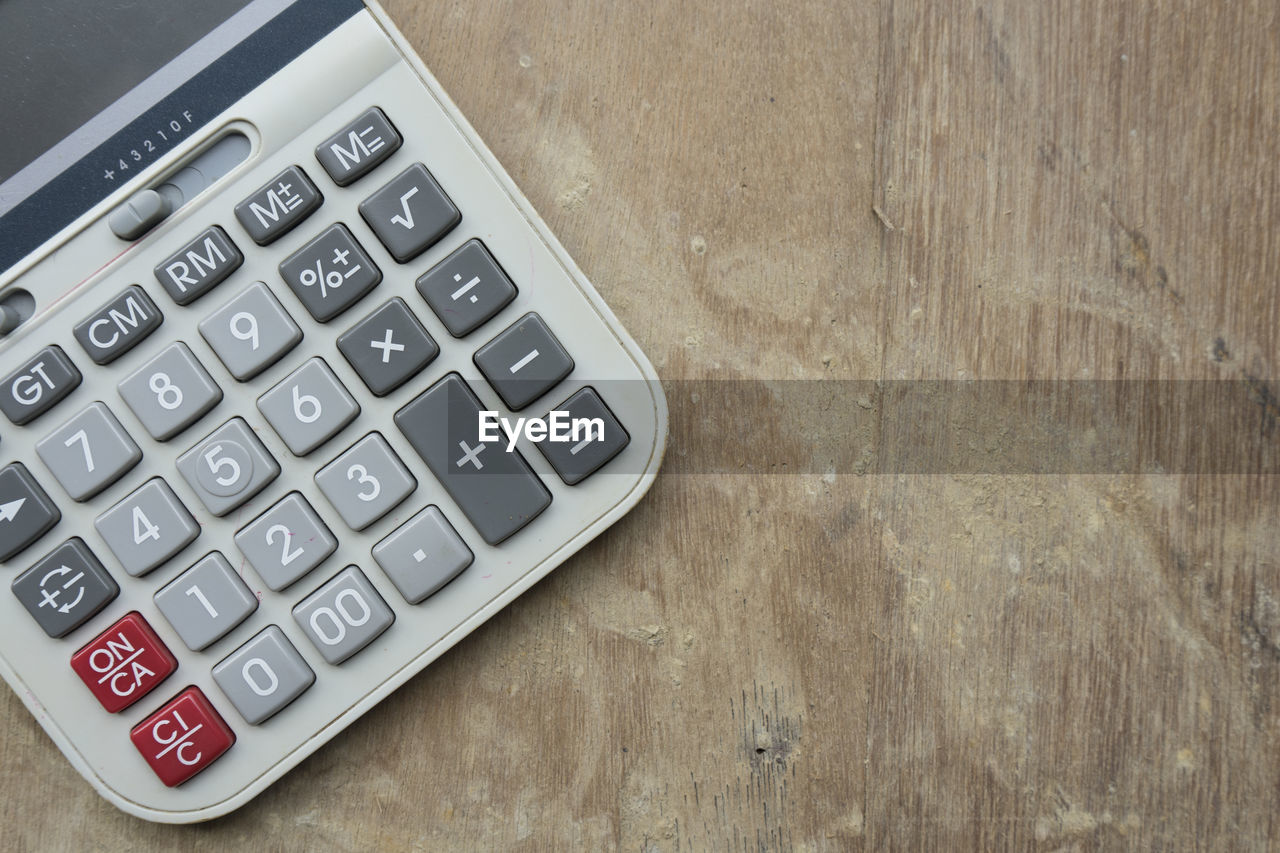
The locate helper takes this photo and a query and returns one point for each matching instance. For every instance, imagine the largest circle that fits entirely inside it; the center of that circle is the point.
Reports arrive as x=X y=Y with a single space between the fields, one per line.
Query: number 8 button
x=170 y=392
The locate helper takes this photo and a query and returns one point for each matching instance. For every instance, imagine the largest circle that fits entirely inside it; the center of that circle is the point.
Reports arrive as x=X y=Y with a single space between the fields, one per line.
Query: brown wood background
x=897 y=189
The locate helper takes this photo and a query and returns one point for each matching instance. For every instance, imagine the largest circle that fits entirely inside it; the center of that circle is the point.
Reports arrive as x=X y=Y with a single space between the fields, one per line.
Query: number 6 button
x=308 y=407
x=344 y=615
x=228 y=467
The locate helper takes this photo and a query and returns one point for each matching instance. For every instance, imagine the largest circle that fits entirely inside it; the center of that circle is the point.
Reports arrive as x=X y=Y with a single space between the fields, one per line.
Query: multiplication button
x=228 y=467
x=388 y=347
x=466 y=289
x=331 y=273
x=26 y=512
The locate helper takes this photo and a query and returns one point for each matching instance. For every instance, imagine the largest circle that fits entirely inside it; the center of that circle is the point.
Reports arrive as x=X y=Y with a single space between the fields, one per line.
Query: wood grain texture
x=818 y=661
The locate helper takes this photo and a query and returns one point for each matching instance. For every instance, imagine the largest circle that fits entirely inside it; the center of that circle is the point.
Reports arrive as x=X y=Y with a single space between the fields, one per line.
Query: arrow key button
x=26 y=512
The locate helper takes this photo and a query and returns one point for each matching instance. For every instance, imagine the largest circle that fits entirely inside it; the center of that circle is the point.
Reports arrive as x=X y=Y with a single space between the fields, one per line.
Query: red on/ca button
x=124 y=663
x=182 y=738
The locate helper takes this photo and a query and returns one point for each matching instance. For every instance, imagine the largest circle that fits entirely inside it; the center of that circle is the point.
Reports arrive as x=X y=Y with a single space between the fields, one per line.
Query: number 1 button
x=206 y=601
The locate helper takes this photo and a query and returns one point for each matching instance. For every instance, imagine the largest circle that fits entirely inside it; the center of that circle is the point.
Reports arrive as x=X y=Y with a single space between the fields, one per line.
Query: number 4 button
x=147 y=528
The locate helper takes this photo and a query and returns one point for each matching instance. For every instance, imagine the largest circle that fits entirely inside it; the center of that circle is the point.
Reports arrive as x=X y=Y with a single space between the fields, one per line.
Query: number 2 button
x=170 y=392
x=286 y=542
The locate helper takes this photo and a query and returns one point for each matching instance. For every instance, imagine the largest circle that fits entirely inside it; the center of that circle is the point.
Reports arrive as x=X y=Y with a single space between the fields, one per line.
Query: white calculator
x=297 y=389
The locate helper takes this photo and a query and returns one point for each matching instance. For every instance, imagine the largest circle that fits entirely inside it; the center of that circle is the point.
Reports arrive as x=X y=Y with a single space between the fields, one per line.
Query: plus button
x=471 y=454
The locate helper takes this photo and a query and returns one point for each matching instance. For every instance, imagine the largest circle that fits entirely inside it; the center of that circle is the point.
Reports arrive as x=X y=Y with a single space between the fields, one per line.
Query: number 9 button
x=251 y=332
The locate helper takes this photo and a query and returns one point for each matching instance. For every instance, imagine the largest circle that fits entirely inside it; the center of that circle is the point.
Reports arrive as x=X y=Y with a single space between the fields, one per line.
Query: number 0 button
x=344 y=615
x=366 y=482
x=228 y=467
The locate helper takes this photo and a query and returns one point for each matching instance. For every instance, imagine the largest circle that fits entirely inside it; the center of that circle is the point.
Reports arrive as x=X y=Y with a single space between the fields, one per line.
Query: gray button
x=366 y=482
x=422 y=555
x=65 y=589
x=344 y=615
x=410 y=214
x=388 y=347
x=118 y=326
x=147 y=528
x=467 y=288
x=206 y=601
x=228 y=467
x=263 y=676
x=35 y=387
x=278 y=205
x=496 y=489
x=251 y=332
x=170 y=392
x=286 y=542
x=330 y=273
x=524 y=362
x=353 y=151
x=199 y=266
x=603 y=439
x=308 y=407
x=89 y=452
x=26 y=512
x=139 y=214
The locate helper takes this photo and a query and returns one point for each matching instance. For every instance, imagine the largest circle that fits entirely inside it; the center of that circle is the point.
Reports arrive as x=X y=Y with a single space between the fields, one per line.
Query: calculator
x=297 y=388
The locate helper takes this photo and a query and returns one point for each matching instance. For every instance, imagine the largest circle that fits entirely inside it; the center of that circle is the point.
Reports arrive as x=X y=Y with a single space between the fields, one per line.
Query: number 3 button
x=366 y=482
x=228 y=467
x=170 y=392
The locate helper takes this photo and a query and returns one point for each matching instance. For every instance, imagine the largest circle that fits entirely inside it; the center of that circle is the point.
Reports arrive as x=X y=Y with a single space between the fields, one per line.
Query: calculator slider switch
x=139 y=214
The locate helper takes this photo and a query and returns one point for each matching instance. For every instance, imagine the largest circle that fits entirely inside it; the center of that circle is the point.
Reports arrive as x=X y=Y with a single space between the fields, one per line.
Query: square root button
x=411 y=213
x=124 y=663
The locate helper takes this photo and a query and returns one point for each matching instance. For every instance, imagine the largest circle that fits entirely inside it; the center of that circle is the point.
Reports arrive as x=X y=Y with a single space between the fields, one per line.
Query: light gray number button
x=89 y=452
x=206 y=601
x=228 y=467
x=251 y=332
x=170 y=392
x=308 y=407
x=263 y=676
x=366 y=482
x=422 y=555
x=344 y=615
x=147 y=528
x=286 y=542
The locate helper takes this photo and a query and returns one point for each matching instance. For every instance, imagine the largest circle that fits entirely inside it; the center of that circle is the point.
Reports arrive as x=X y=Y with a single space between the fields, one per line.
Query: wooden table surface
x=818 y=656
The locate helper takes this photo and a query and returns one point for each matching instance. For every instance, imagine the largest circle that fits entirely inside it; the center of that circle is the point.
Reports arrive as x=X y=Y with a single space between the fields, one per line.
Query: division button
x=466 y=289
x=89 y=452
x=206 y=601
x=603 y=438
x=147 y=528
x=330 y=273
x=411 y=213
x=182 y=738
x=423 y=555
x=263 y=676
x=124 y=663
x=118 y=326
x=26 y=512
x=344 y=615
x=388 y=347
x=354 y=151
x=199 y=266
x=39 y=384
x=495 y=488
x=524 y=362
x=65 y=589
x=251 y=332
x=278 y=206
x=228 y=467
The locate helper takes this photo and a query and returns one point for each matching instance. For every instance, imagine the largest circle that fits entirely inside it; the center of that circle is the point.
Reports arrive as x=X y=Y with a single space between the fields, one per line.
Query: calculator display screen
x=92 y=92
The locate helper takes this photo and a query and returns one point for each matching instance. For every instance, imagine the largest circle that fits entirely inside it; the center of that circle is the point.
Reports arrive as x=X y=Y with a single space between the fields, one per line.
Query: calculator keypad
x=286 y=542
x=206 y=601
x=251 y=332
x=26 y=512
x=388 y=347
x=331 y=273
x=278 y=206
x=199 y=266
x=343 y=616
x=124 y=663
x=147 y=528
x=411 y=213
x=228 y=467
x=466 y=289
x=182 y=738
x=366 y=482
x=89 y=452
x=65 y=589
x=170 y=392
x=263 y=676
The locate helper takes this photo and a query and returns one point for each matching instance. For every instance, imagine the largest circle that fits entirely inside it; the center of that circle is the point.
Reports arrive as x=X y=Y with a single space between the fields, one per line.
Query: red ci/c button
x=124 y=663
x=182 y=738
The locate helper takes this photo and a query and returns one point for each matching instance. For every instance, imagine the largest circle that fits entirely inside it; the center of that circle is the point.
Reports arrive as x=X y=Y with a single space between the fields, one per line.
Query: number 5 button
x=228 y=467
x=366 y=482
x=170 y=392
